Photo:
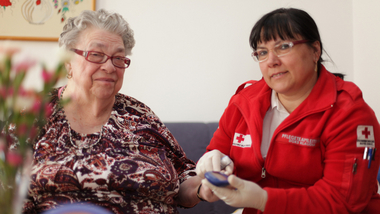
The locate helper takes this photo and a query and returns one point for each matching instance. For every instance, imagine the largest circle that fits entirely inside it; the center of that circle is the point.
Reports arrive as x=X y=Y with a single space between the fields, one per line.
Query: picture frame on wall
x=38 y=20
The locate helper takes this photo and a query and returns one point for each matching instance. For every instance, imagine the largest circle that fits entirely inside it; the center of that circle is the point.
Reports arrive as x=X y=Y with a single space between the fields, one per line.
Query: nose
x=108 y=67
x=273 y=60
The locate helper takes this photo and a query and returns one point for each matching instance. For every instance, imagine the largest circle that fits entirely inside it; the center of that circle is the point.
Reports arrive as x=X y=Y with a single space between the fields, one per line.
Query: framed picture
x=38 y=20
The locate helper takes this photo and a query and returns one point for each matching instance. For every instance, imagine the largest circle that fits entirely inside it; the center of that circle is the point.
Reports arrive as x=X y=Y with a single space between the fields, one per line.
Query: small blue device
x=217 y=178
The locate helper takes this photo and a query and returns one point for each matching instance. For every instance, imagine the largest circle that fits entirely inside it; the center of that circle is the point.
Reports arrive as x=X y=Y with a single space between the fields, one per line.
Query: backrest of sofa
x=194 y=138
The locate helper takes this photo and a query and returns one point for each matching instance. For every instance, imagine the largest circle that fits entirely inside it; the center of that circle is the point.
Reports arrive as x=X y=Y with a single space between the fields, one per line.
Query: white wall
x=190 y=56
x=366 y=32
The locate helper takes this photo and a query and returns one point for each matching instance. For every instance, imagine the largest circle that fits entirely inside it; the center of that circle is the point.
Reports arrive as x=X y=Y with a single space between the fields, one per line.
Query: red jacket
x=315 y=160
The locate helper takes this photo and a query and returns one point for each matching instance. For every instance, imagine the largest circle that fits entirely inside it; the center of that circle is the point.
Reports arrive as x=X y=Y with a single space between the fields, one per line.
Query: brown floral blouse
x=135 y=167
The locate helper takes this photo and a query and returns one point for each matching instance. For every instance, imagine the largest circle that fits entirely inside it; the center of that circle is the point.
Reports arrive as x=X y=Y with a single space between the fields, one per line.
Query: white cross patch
x=241 y=140
x=365 y=136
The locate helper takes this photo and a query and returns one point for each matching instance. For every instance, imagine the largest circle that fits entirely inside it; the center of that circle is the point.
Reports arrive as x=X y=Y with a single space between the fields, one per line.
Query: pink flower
x=9 y=139
x=8 y=49
x=24 y=66
x=21 y=129
x=25 y=101
x=47 y=76
x=13 y=158
x=36 y=107
x=5 y=92
x=22 y=92
x=33 y=132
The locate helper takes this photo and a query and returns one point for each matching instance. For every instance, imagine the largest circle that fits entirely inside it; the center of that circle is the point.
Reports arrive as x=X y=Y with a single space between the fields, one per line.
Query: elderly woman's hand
x=240 y=193
x=211 y=161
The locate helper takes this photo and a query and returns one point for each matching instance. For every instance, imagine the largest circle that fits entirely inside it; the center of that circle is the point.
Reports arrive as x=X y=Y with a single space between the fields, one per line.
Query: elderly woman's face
x=294 y=73
x=99 y=80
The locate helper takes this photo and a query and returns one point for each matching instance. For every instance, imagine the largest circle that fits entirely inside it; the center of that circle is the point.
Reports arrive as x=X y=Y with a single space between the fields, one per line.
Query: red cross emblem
x=366 y=133
x=240 y=138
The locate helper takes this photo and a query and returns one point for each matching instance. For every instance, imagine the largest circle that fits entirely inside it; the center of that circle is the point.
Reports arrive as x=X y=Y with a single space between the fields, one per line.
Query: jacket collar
x=323 y=95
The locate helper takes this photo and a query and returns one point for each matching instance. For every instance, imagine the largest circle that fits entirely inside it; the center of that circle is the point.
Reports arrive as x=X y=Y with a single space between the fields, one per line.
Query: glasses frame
x=291 y=44
x=85 y=54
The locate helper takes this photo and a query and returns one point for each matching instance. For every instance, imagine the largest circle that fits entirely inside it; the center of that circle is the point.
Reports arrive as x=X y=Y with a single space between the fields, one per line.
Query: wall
x=366 y=34
x=190 y=56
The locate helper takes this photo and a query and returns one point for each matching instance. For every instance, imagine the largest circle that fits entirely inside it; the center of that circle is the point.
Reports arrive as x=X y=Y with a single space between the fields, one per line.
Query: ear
x=68 y=66
x=317 y=50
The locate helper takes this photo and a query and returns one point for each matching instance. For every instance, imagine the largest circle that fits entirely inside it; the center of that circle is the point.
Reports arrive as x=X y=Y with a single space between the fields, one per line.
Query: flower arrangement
x=22 y=113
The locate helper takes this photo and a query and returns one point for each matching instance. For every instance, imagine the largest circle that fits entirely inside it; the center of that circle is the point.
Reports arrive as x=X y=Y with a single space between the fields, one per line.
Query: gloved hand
x=211 y=161
x=206 y=194
x=240 y=193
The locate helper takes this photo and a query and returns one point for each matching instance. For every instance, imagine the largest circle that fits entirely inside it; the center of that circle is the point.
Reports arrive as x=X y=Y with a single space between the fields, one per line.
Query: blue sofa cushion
x=194 y=138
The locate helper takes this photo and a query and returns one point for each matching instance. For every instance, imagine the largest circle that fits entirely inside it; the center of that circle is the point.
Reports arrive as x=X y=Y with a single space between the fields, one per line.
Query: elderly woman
x=103 y=147
x=301 y=139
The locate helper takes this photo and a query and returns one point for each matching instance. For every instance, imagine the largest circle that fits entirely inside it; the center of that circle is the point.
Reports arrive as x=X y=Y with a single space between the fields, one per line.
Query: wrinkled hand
x=206 y=193
x=241 y=193
x=211 y=162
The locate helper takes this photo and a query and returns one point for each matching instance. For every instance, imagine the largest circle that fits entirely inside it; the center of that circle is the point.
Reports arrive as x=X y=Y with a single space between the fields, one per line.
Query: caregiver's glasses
x=280 y=50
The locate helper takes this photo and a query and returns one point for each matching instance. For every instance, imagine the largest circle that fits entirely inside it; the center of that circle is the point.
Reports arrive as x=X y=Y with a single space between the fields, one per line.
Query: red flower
x=13 y=158
x=5 y=3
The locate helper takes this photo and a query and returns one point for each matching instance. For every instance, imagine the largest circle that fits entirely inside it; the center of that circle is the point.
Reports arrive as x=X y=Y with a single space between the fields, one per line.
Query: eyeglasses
x=280 y=50
x=100 y=58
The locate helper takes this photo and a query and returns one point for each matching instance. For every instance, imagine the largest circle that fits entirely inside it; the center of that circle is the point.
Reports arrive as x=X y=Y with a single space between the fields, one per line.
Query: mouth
x=105 y=80
x=277 y=75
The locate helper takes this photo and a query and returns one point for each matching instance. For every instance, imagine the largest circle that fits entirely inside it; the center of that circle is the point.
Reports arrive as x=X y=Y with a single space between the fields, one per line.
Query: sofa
x=194 y=138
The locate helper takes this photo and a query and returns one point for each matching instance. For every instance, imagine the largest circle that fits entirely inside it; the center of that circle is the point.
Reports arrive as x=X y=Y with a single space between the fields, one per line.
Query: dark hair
x=340 y=75
x=285 y=23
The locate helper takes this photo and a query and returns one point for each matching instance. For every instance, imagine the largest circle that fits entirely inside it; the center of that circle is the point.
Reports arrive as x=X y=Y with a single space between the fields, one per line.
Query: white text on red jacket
x=300 y=140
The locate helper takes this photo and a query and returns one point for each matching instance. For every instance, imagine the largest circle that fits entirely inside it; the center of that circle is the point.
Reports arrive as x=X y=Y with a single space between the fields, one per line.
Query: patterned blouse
x=134 y=165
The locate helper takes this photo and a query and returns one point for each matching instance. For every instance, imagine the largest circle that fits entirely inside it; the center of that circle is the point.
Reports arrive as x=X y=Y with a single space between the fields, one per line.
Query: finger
x=235 y=182
x=229 y=169
x=225 y=161
x=221 y=192
x=207 y=164
x=208 y=194
x=202 y=163
x=209 y=185
x=199 y=170
x=216 y=162
x=199 y=167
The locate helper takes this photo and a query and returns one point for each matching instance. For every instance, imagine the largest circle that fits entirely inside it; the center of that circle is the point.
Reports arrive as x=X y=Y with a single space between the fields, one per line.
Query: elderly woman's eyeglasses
x=280 y=50
x=100 y=58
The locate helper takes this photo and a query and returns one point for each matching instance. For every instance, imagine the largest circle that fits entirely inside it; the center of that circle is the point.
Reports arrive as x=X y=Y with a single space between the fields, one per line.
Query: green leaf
x=18 y=80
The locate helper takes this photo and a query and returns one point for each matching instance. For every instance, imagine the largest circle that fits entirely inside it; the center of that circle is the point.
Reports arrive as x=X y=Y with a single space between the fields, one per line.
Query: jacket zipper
x=263 y=172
